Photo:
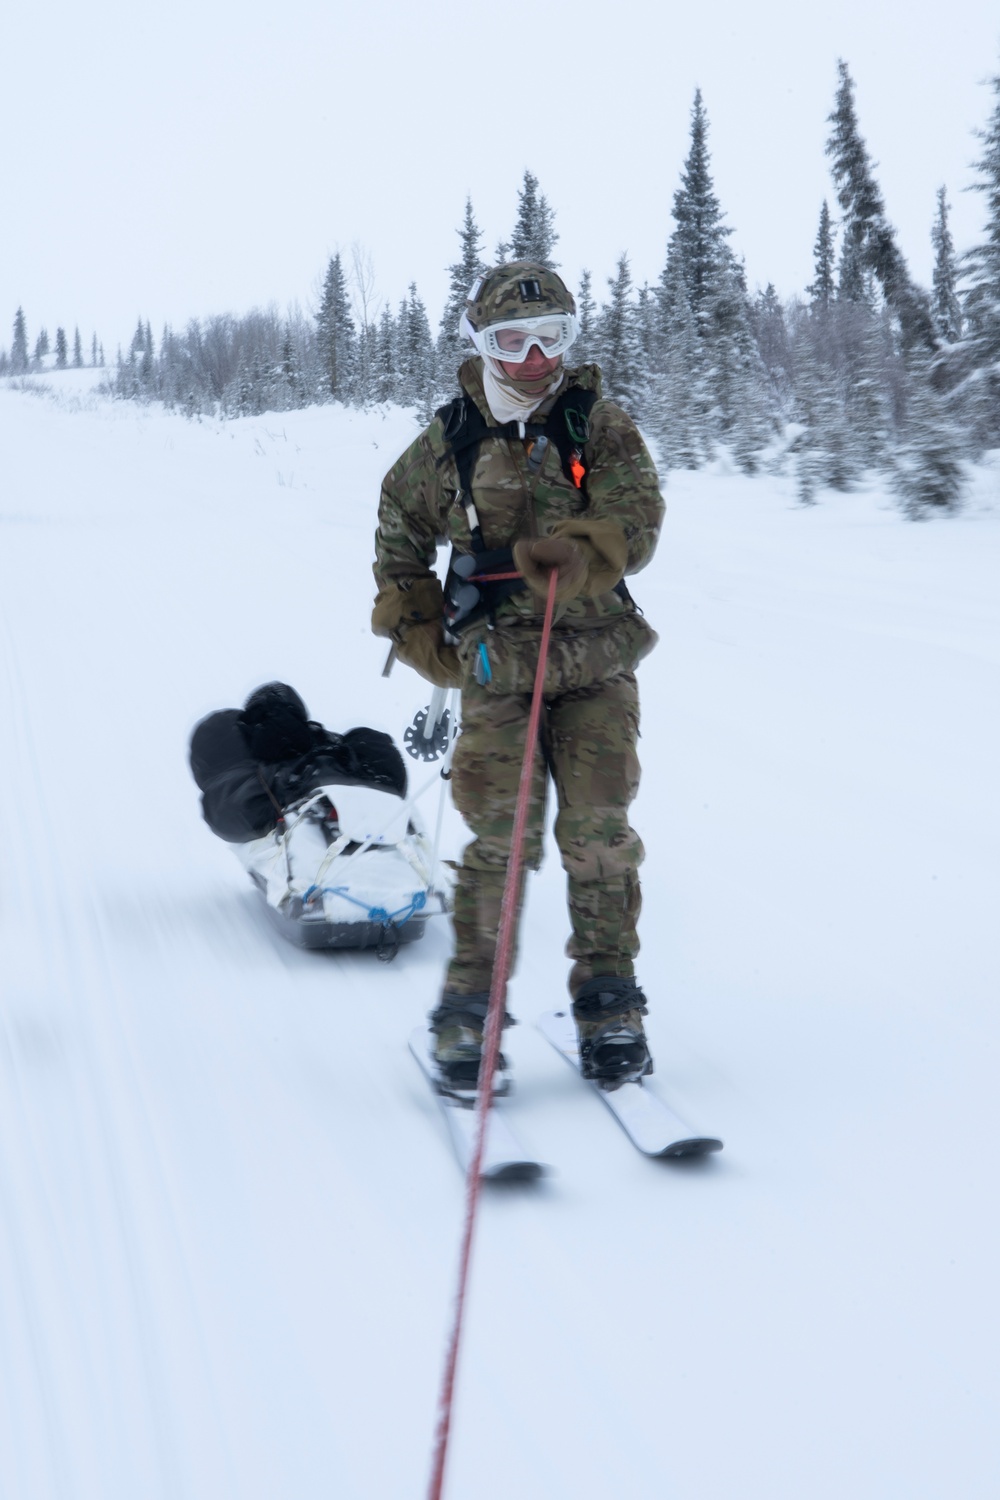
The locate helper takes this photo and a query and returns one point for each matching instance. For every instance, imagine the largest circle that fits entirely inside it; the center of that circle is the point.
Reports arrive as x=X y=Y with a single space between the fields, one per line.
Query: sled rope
x=491 y=1043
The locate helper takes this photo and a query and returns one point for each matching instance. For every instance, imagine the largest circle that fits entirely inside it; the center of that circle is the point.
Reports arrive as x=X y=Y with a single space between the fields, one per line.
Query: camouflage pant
x=589 y=743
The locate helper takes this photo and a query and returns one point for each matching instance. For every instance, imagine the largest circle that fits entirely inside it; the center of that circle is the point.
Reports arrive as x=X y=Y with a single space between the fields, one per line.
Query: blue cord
x=375 y=913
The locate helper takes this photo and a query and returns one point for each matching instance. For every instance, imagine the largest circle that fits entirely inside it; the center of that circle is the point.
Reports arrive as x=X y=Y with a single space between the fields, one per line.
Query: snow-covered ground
x=229 y=1220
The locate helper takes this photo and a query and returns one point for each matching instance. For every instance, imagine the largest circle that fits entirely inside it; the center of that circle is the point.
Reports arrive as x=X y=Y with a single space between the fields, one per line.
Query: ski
x=649 y=1123
x=504 y=1158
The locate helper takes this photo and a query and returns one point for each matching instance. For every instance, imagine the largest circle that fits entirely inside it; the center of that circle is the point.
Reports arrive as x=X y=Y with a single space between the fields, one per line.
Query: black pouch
x=476 y=584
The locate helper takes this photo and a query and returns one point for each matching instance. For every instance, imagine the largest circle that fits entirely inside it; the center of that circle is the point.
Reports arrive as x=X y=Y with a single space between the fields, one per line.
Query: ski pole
x=491 y=1041
x=445 y=773
x=435 y=709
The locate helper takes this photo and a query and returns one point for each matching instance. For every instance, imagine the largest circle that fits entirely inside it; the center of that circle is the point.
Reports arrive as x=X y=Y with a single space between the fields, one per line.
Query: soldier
x=530 y=470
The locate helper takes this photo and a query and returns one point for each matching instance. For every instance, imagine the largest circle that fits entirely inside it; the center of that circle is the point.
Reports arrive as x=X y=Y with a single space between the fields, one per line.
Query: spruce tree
x=77 y=350
x=945 y=303
x=647 y=328
x=618 y=342
x=335 y=334
x=451 y=349
x=386 y=365
x=415 y=350
x=93 y=351
x=869 y=239
x=927 y=471
x=727 y=389
x=699 y=240
x=366 y=378
x=534 y=235
x=739 y=381
x=584 y=348
x=19 y=348
x=41 y=346
x=857 y=191
x=825 y=453
x=61 y=349
x=865 y=337
x=981 y=268
x=678 y=402
x=821 y=291
x=145 y=359
x=770 y=330
x=855 y=283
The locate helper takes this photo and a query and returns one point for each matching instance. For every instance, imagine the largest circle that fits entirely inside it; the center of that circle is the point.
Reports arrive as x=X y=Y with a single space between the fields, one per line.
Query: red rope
x=491 y=1043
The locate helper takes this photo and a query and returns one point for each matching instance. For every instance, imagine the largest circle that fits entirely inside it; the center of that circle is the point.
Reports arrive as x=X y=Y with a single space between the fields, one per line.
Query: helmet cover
x=517 y=289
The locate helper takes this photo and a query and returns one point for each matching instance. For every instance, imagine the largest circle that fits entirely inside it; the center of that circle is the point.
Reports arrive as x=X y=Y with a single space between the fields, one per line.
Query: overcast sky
x=177 y=160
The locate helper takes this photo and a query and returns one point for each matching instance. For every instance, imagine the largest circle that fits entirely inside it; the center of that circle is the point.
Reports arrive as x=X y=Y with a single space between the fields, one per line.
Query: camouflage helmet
x=517 y=289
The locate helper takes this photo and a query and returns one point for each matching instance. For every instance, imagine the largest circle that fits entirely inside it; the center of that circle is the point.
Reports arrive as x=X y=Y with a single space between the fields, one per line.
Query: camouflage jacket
x=419 y=508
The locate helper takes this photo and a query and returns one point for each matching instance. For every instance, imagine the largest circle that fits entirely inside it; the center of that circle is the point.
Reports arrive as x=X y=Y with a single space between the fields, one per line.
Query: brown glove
x=604 y=547
x=536 y=557
x=422 y=647
x=411 y=617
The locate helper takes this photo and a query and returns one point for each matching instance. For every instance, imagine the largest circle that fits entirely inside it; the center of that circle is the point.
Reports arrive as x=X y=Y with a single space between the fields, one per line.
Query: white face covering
x=513 y=401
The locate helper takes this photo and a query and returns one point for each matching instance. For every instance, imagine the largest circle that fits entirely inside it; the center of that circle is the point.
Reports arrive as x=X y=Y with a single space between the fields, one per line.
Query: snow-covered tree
x=291 y=373
x=767 y=316
x=647 y=321
x=825 y=451
x=618 y=342
x=727 y=386
x=981 y=267
x=61 y=349
x=534 y=234
x=698 y=243
x=737 y=376
x=386 y=364
x=927 y=471
x=77 y=350
x=41 y=347
x=451 y=349
x=945 y=303
x=869 y=239
x=336 y=335
x=415 y=355
x=19 y=347
x=585 y=349
x=821 y=292
x=866 y=353
x=677 y=404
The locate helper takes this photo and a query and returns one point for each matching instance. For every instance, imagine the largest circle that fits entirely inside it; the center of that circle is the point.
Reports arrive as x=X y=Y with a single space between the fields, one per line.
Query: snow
x=229 y=1220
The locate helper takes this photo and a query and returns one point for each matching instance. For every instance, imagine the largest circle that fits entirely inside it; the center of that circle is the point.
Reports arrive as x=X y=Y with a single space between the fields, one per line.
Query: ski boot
x=458 y=1025
x=613 y=1047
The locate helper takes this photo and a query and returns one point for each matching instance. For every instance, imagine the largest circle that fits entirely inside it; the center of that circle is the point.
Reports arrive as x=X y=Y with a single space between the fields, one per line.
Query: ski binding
x=504 y=1158
x=651 y=1125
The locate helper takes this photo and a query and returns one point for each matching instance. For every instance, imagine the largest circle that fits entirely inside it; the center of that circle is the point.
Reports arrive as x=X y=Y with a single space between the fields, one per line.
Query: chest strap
x=567 y=425
x=477 y=584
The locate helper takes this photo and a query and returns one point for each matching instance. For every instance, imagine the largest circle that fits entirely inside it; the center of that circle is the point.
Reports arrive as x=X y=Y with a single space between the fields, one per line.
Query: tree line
x=23 y=360
x=866 y=370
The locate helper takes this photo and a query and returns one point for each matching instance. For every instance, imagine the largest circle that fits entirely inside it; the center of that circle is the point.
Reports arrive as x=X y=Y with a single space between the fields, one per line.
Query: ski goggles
x=512 y=341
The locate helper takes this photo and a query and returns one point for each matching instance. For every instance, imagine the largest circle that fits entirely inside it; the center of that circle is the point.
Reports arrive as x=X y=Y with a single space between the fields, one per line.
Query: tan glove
x=412 y=618
x=422 y=647
x=536 y=557
x=603 y=546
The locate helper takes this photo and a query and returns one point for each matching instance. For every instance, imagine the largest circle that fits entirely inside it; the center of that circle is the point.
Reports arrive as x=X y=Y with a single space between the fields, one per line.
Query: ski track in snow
x=229 y=1221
